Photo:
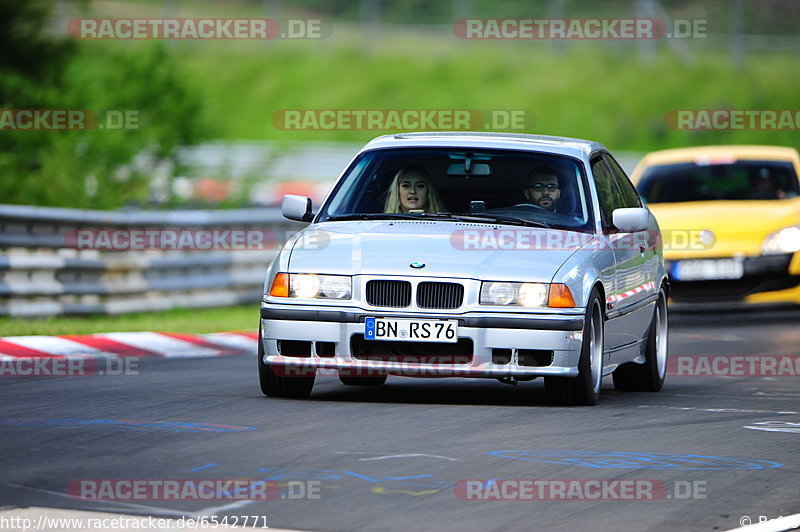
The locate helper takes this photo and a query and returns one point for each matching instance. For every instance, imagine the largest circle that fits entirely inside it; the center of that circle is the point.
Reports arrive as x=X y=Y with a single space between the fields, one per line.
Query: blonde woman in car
x=411 y=190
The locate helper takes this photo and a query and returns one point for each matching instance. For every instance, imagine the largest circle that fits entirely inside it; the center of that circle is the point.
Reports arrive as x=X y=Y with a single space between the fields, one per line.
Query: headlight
x=500 y=293
x=556 y=295
x=312 y=286
x=786 y=240
x=533 y=295
x=520 y=294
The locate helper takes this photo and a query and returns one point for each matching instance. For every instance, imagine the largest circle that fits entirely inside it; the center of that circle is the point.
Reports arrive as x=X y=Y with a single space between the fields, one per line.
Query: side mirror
x=631 y=220
x=296 y=208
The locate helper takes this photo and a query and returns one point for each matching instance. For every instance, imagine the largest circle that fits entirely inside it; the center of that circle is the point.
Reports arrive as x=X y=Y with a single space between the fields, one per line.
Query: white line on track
x=386 y=457
x=775 y=426
x=721 y=410
x=758 y=395
x=408 y=456
x=209 y=512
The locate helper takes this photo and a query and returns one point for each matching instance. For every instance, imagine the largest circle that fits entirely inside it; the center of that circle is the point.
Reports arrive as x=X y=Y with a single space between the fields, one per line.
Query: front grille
x=389 y=293
x=401 y=352
x=440 y=295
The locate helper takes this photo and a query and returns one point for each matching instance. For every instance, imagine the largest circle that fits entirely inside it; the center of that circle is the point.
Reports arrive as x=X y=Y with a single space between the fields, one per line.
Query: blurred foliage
x=90 y=168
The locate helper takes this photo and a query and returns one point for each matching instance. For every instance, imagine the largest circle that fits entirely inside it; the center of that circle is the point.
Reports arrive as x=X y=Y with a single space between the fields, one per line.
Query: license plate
x=445 y=331
x=701 y=270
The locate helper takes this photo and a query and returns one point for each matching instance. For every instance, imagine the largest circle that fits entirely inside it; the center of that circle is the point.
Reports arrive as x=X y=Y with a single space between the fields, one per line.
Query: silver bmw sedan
x=482 y=255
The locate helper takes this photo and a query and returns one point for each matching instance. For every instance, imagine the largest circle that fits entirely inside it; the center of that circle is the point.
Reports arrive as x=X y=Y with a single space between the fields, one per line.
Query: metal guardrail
x=43 y=272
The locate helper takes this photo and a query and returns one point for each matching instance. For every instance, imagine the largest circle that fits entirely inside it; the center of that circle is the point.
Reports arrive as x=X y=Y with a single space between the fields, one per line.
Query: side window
x=608 y=193
x=629 y=194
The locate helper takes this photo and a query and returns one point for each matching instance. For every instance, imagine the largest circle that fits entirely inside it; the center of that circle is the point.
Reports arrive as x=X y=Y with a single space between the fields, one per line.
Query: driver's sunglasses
x=538 y=187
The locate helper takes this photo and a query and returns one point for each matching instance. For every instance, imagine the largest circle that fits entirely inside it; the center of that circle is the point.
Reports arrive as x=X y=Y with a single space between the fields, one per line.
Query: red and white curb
x=649 y=286
x=130 y=344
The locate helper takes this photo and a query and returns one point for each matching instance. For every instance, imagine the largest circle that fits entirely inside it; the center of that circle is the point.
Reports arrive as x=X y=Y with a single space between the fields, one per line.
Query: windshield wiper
x=504 y=218
x=374 y=216
x=392 y=216
x=512 y=220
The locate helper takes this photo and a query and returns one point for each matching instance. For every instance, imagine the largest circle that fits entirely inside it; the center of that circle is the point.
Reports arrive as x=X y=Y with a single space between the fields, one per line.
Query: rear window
x=740 y=180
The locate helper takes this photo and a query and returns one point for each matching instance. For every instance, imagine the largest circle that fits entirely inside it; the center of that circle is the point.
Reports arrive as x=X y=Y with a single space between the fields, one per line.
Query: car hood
x=737 y=226
x=389 y=247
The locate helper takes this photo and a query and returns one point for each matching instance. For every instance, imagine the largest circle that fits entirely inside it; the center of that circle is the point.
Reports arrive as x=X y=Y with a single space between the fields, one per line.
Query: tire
x=648 y=377
x=363 y=381
x=275 y=385
x=585 y=388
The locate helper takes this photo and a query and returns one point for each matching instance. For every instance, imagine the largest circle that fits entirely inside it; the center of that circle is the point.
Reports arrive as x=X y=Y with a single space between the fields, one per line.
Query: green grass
x=602 y=91
x=586 y=92
x=239 y=318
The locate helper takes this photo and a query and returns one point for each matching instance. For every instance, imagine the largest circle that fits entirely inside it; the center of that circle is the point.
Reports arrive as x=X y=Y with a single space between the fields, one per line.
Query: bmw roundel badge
x=417 y=264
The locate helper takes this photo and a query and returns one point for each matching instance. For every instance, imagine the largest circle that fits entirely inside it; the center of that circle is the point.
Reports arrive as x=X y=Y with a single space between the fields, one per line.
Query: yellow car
x=730 y=220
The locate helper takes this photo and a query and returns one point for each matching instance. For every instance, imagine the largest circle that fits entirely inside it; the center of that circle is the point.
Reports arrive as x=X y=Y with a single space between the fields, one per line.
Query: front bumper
x=762 y=274
x=490 y=344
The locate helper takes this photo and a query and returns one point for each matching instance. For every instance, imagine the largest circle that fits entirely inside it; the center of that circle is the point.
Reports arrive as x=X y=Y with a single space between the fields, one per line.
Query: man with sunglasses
x=543 y=188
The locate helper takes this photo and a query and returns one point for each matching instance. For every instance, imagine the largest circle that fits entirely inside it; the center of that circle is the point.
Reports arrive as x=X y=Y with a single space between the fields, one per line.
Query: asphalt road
x=388 y=458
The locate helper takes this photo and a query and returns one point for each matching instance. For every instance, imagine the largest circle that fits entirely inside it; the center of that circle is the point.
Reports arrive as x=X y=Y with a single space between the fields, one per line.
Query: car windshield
x=500 y=186
x=739 y=180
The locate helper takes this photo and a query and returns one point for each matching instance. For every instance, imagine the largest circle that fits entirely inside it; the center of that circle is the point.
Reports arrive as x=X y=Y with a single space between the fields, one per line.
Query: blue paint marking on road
x=626 y=460
x=127 y=424
x=202 y=467
x=239 y=492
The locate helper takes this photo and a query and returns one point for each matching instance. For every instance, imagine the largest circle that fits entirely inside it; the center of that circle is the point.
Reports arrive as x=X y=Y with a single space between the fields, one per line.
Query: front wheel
x=282 y=381
x=585 y=388
x=648 y=377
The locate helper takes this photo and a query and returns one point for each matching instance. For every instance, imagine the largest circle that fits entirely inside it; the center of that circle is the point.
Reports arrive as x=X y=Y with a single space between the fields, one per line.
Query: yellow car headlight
x=787 y=240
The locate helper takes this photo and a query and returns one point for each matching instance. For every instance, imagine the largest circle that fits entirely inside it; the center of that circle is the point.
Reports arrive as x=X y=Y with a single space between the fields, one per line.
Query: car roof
x=681 y=155
x=578 y=148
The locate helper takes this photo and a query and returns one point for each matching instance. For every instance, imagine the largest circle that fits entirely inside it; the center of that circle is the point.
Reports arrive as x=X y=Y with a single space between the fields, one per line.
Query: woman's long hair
x=393 y=204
